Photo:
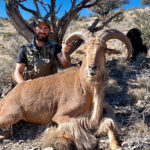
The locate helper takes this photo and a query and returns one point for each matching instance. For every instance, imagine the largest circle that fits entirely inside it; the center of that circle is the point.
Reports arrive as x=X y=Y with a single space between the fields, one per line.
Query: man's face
x=42 y=31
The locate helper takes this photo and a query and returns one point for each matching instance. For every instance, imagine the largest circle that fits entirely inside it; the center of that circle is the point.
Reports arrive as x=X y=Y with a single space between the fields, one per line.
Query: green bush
x=118 y=18
x=7 y=34
x=1 y=25
x=142 y=22
x=93 y=15
x=1 y=33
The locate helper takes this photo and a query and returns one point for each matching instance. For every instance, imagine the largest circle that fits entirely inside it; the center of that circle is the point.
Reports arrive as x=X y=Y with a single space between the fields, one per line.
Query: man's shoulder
x=30 y=45
x=23 y=48
x=26 y=47
x=51 y=43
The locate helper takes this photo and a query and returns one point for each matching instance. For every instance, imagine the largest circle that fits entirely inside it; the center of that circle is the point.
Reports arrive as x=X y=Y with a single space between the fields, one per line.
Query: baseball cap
x=38 y=21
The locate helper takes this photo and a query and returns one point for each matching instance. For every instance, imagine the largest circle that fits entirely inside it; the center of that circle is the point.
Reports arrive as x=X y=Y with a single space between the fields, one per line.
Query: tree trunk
x=18 y=22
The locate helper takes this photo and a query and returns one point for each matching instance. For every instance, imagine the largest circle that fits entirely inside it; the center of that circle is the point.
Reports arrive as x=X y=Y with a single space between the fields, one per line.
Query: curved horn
x=115 y=34
x=82 y=34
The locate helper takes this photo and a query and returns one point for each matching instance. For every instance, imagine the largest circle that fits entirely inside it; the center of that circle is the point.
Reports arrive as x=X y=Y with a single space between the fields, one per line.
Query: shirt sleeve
x=21 y=57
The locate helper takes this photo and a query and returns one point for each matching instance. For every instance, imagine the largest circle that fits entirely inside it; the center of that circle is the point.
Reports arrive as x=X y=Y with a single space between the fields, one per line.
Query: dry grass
x=140 y=127
x=144 y=82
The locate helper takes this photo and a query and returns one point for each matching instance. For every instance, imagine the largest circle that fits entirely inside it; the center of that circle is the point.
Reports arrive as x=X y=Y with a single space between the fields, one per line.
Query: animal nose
x=92 y=67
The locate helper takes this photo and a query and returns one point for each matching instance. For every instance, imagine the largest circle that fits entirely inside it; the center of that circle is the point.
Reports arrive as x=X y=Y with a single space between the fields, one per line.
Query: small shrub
x=1 y=25
x=86 y=26
x=7 y=34
x=1 y=33
x=4 y=18
x=141 y=21
x=144 y=82
x=82 y=18
x=93 y=15
x=118 y=18
x=141 y=128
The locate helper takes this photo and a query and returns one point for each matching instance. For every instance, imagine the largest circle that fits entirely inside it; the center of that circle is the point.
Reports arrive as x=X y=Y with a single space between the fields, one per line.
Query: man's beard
x=39 y=38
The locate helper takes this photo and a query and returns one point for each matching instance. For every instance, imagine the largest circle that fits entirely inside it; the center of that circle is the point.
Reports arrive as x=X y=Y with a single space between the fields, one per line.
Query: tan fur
x=73 y=98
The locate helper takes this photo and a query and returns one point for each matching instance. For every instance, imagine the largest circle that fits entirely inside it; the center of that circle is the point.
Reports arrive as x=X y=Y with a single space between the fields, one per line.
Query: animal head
x=95 y=50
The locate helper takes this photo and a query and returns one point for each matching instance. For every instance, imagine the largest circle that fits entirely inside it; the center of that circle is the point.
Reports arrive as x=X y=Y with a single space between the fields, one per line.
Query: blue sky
x=65 y=6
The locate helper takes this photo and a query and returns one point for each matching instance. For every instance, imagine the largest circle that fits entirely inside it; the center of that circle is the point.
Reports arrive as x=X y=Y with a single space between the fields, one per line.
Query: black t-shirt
x=22 y=58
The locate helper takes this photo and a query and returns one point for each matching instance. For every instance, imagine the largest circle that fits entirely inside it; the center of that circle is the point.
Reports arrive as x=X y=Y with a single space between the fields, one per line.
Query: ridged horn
x=82 y=34
x=115 y=34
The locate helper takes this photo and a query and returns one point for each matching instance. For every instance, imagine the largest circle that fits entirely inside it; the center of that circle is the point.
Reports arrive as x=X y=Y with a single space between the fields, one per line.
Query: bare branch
x=47 y=15
x=53 y=7
x=29 y=10
x=44 y=8
x=43 y=3
x=73 y=2
x=20 y=1
x=59 y=8
x=106 y=22
x=94 y=24
x=37 y=8
x=53 y=18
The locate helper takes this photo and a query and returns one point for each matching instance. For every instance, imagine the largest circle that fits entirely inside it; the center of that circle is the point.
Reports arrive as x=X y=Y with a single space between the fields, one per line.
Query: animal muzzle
x=92 y=69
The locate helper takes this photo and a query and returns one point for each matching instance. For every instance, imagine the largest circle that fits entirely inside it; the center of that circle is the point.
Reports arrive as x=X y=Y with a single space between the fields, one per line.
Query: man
x=39 y=58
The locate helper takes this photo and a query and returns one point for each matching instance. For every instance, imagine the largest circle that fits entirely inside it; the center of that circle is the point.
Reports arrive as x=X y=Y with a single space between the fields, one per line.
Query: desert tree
x=59 y=26
x=104 y=7
x=145 y=2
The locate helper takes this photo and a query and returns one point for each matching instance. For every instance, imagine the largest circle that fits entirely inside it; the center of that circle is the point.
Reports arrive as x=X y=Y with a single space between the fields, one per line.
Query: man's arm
x=18 y=73
x=66 y=49
x=63 y=61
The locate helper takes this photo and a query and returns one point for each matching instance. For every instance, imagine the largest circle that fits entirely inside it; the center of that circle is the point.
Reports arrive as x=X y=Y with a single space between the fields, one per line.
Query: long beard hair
x=41 y=38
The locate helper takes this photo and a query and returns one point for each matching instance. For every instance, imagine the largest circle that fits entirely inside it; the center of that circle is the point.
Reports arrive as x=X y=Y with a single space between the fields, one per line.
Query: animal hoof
x=118 y=148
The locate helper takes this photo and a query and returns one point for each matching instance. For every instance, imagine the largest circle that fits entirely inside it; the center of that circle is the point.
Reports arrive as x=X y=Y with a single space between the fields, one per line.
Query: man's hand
x=66 y=47
x=64 y=57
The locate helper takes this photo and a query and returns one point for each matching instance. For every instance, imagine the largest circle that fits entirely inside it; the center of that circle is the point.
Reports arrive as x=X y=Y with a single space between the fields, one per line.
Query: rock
x=36 y=148
x=48 y=148
x=6 y=141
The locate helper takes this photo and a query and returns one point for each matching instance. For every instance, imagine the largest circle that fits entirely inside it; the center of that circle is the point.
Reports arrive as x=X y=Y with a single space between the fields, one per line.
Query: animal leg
x=112 y=140
x=9 y=115
x=108 y=126
x=69 y=133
